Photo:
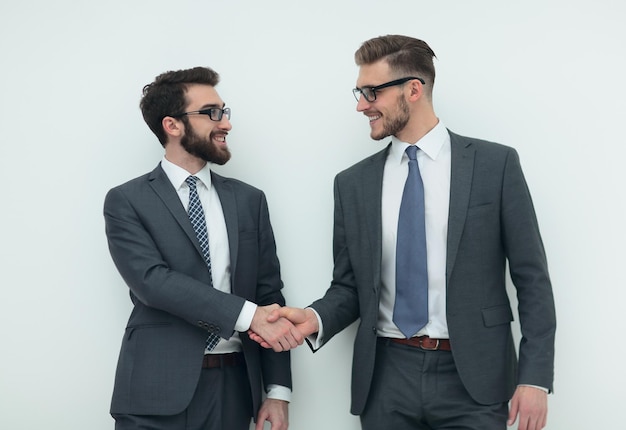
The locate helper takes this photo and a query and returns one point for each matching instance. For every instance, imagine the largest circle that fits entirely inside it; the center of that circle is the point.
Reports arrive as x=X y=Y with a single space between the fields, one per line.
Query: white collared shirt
x=434 y=160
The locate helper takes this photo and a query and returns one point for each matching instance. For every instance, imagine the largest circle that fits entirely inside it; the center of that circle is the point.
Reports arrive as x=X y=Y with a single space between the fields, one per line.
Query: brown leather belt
x=426 y=343
x=211 y=361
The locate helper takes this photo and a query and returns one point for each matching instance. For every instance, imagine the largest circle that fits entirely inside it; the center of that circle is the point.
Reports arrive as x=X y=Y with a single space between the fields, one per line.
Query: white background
x=544 y=77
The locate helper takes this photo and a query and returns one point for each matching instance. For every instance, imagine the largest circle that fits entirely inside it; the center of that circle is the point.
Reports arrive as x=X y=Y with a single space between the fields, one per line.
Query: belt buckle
x=435 y=348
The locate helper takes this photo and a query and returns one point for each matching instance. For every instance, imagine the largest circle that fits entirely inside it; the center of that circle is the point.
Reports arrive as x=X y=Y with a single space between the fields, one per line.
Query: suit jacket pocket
x=497 y=315
x=480 y=209
x=131 y=328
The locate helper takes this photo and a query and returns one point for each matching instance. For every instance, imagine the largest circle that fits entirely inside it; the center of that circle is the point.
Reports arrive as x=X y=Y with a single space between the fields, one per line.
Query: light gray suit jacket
x=491 y=220
x=156 y=251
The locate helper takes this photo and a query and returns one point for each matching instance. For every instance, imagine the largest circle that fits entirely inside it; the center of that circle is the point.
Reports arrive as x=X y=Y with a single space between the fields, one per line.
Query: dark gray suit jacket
x=157 y=253
x=491 y=220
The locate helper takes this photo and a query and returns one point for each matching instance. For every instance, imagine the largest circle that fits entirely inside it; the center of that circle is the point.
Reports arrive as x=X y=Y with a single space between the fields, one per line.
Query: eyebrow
x=212 y=105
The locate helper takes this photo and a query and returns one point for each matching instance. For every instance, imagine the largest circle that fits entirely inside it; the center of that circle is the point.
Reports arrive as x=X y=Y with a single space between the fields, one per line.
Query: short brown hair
x=166 y=95
x=405 y=55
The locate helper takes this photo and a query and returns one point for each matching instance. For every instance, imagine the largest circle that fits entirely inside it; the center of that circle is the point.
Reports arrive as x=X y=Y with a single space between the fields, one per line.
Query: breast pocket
x=480 y=209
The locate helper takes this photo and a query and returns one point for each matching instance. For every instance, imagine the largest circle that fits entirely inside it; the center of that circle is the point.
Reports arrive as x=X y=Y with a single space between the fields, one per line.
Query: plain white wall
x=544 y=77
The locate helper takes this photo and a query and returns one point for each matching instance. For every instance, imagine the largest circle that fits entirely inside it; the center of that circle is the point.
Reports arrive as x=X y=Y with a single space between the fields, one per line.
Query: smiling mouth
x=221 y=139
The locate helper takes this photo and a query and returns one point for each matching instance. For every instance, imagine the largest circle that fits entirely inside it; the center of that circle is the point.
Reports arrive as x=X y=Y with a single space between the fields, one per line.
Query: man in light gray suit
x=197 y=252
x=459 y=369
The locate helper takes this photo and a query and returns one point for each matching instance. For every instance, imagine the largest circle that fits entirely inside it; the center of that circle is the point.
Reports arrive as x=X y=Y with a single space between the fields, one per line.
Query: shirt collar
x=431 y=143
x=177 y=174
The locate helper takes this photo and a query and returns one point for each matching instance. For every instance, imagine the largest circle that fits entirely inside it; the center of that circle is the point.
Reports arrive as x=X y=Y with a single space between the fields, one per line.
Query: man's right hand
x=304 y=321
x=276 y=332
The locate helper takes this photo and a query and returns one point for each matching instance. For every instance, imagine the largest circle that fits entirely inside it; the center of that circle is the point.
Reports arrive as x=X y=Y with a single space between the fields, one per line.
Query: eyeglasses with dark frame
x=370 y=92
x=214 y=113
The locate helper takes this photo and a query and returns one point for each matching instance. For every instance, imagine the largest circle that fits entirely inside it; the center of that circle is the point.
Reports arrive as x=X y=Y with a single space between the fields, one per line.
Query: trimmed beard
x=204 y=148
x=395 y=125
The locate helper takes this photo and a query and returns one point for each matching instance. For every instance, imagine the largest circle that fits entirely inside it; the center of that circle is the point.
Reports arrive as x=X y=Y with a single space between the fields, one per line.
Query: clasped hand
x=282 y=328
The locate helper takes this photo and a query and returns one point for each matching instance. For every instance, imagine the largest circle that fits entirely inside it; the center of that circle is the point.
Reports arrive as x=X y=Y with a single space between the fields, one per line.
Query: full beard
x=204 y=148
x=393 y=126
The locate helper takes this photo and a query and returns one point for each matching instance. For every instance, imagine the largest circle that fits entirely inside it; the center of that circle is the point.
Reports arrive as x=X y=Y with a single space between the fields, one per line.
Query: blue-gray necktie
x=410 y=312
x=198 y=221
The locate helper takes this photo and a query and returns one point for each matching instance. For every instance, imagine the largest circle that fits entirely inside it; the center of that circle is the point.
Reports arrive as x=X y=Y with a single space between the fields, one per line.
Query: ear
x=416 y=90
x=173 y=127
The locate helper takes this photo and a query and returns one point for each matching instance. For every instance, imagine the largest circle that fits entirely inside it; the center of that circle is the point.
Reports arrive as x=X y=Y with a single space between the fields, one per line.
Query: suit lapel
x=462 y=170
x=371 y=190
x=229 y=208
x=162 y=186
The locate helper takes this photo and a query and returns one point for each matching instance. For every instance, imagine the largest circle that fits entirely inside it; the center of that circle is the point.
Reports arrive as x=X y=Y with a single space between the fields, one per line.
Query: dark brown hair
x=166 y=95
x=405 y=55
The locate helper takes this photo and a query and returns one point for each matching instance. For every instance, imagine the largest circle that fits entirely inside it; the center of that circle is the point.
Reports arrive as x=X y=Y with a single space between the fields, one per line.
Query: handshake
x=282 y=328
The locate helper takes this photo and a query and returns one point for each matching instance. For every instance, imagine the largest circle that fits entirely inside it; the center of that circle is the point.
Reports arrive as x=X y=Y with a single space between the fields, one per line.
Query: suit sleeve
x=340 y=305
x=155 y=267
x=276 y=367
x=529 y=273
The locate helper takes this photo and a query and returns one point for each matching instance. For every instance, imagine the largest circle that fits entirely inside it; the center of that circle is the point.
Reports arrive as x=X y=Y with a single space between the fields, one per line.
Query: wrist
x=279 y=393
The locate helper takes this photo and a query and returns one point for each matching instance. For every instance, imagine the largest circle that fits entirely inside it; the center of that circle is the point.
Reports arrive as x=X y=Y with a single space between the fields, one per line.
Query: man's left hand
x=530 y=406
x=274 y=411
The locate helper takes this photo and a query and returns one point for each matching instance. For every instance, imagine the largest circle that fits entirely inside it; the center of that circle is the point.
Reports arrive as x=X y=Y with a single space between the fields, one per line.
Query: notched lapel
x=229 y=207
x=462 y=170
x=372 y=189
x=163 y=188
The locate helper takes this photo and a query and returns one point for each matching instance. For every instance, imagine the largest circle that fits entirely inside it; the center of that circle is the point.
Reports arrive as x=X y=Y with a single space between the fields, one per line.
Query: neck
x=419 y=125
x=177 y=155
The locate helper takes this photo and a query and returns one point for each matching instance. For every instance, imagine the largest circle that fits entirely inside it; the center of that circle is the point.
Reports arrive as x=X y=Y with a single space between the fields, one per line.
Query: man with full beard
x=423 y=231
x=197 y=252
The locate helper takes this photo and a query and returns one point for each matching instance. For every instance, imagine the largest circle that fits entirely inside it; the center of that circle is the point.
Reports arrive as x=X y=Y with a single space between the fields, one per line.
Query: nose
x=362 y=104
x=224 y=123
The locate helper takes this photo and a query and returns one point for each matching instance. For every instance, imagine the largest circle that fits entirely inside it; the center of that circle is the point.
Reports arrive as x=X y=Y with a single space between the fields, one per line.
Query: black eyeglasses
x=214 y=113
x=370 y=92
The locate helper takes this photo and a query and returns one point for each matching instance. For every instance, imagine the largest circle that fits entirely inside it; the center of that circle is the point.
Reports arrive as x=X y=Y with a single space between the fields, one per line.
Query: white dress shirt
x=434 y=160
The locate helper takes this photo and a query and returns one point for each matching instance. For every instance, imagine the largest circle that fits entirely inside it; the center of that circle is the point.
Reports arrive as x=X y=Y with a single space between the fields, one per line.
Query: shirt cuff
x=278 y=392
x=317 y=339
x=245 y=317
x=535 y=386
